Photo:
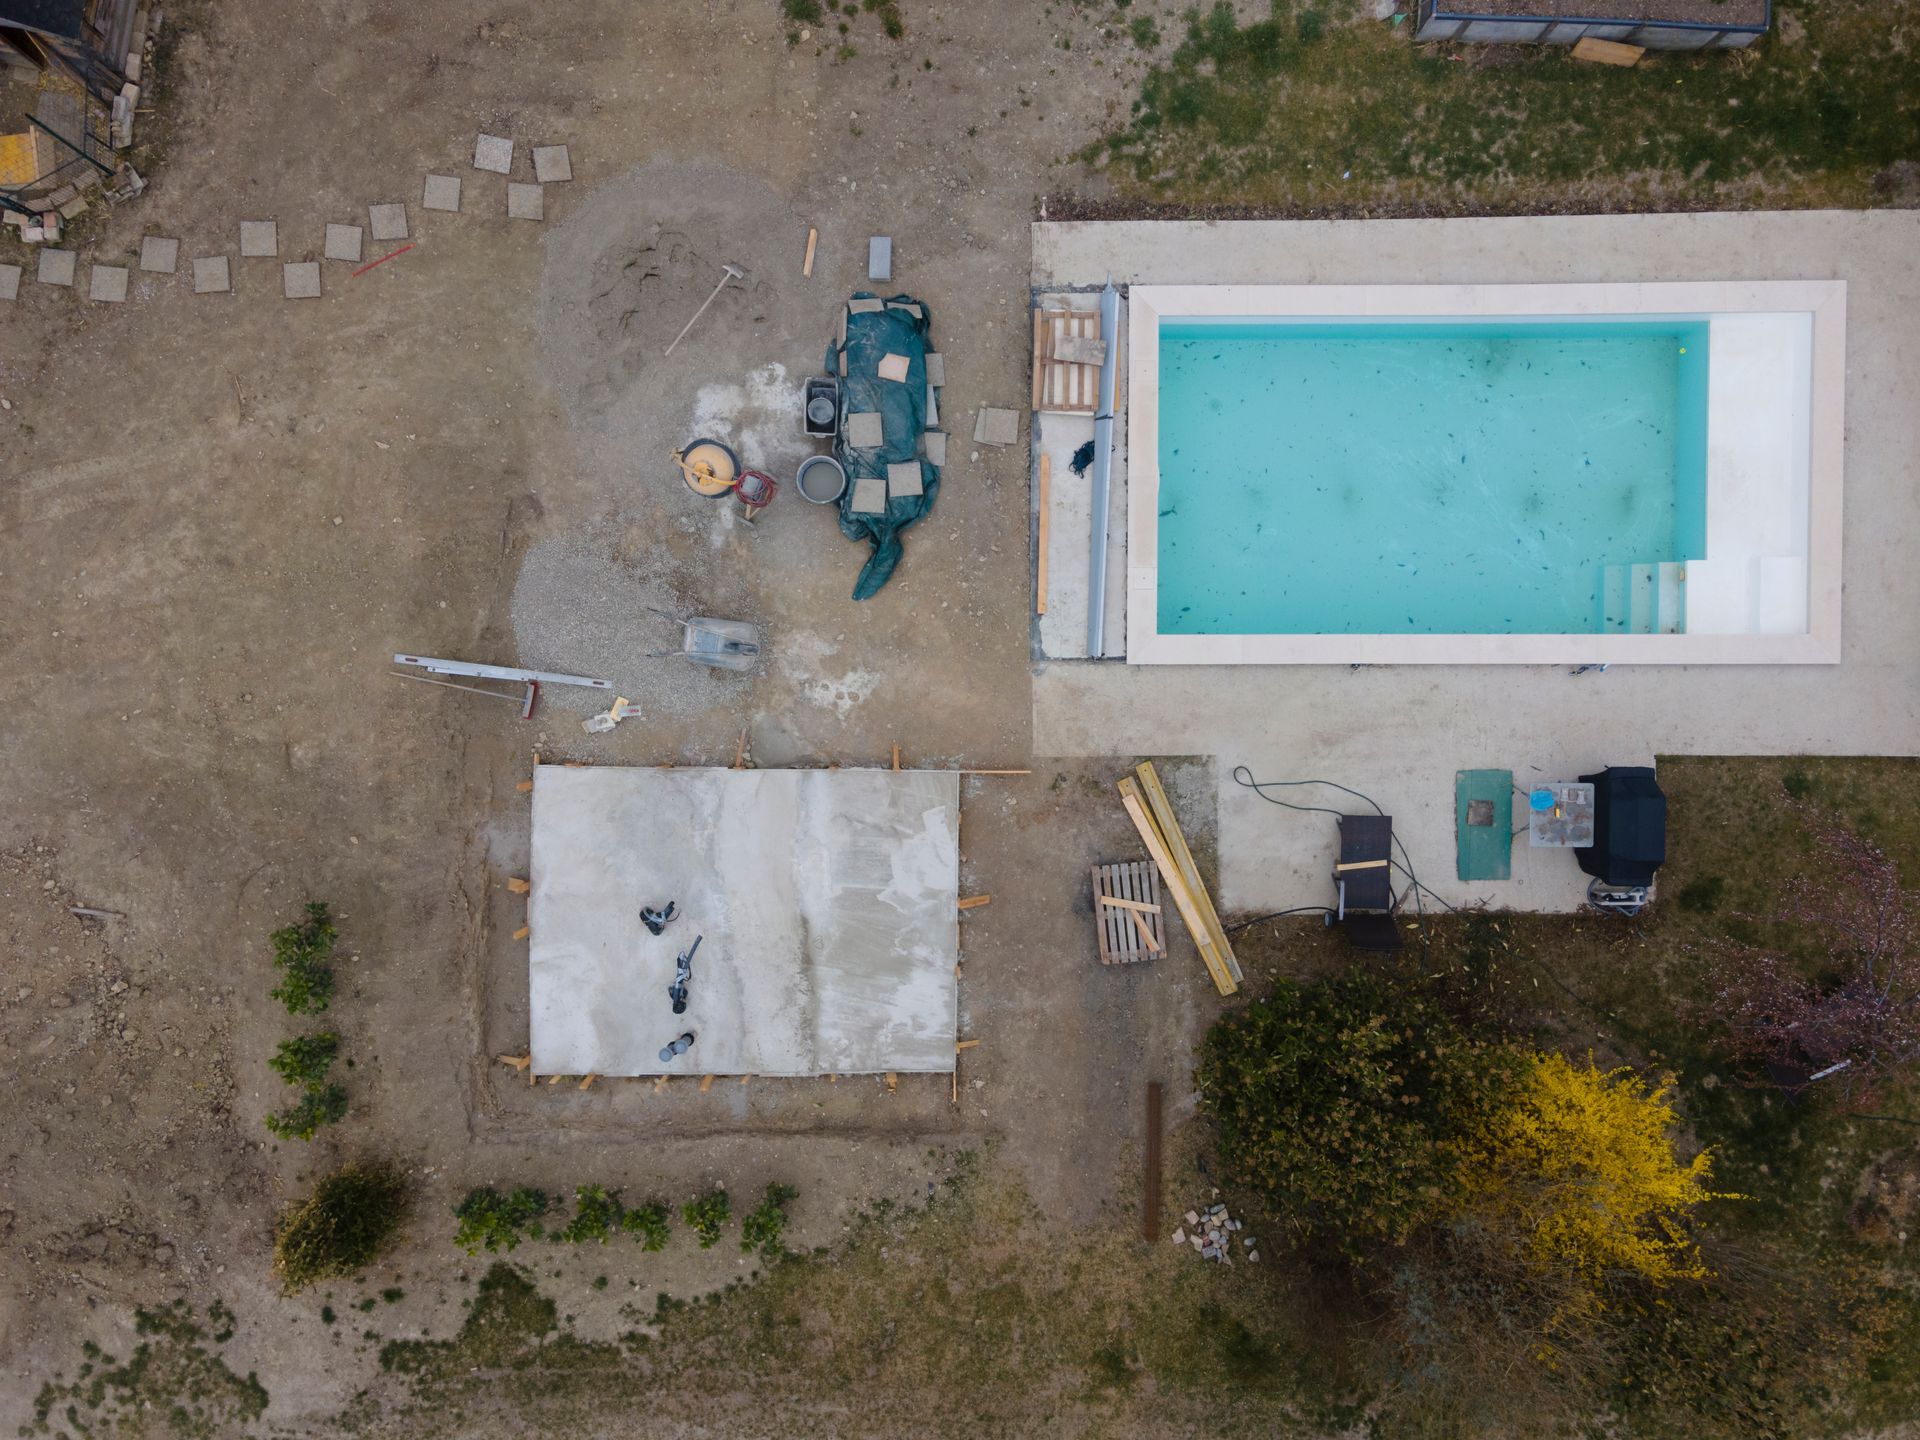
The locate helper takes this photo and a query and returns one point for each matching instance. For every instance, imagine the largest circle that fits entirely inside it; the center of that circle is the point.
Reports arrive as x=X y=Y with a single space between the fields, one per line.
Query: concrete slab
x=996 y=427
x=343 y=243
x=56 y=267
x=9 y=282
x=552 y=164
x=826 y=898
x=869 y=496
x=935 y=445
x=442 y=193
x=1398 y=733
x=865 y=429
x=211 y=275
x=159 y=254
x=526 y=202
x=904 y=478
x=301 y=280
x=880 y=258
x=493 y=152
x=259 y=238
x=936 y=368
x=387 y=222
x=108 y=284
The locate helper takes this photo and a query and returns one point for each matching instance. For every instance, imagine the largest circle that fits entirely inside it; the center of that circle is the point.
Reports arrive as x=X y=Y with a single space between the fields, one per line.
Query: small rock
x=118 y=987
x=1192 y=1218
x=25 y=992
x=1253 y=1257
x=1179 y=1237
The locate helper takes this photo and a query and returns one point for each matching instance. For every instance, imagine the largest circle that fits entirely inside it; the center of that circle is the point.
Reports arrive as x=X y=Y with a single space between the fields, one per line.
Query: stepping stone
x=108 y=284
x=865 y=430
x=869 y=496
x=301 y=280
x=996 y=427
x=9 y=281
x=493 y=152
x=387 y=222
x=443 y=193
x=159 y=254
x=259 y=238
x=526 y=202
x=936 y=368
x=936 y=443
x=868 y=306
x=551 y=164
x=56 y=267
x=903 y=478
x=210 y=275
x=343 y=243
x=880 y=258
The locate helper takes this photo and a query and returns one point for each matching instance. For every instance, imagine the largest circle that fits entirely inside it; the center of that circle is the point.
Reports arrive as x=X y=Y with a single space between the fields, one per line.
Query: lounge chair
x=1364 y=901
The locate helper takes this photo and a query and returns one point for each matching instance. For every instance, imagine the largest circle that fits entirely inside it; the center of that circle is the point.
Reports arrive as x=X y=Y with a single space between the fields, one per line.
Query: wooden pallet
x=1060 y=386
x=1116 y=926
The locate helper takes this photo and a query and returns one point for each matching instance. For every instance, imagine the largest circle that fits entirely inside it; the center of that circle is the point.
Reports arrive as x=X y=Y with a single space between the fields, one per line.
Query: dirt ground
x=221 y=515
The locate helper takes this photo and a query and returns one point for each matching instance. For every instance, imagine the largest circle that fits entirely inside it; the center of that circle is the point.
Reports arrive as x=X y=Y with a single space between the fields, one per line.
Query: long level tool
x=499 y=672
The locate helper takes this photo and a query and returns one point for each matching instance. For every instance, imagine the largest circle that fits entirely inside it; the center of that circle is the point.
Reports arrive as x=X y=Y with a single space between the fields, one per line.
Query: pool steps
x=1644 y=599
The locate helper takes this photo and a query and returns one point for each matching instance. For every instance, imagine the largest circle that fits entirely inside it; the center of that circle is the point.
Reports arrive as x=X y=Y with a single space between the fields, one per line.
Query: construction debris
x=1212 y=1232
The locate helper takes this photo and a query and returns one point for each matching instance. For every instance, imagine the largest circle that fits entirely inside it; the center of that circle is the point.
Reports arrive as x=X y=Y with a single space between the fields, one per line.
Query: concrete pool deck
x=1400 y=733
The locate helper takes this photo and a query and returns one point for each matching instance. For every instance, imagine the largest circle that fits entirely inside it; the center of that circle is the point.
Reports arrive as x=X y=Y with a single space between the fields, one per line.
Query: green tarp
x=874 y=329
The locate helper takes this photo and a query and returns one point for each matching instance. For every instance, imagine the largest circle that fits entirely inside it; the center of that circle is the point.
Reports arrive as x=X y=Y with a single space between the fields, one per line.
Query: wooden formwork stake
x=659 y=1083
x=518 y=1062
x=740 y=751
x=896 y=755
x=745 y=1078
x=522 y=932
x=974 y=902
x=954 y=1098
x=960 y=1045
x=893 y=1081
x=524 y=787
x=813 y=239
x=587 y=1084
x=706 y=1083
x=517 y=886
x=555 y=1079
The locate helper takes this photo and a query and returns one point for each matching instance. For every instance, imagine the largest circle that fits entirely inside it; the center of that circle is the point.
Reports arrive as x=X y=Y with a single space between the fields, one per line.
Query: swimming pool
x=1409 y=474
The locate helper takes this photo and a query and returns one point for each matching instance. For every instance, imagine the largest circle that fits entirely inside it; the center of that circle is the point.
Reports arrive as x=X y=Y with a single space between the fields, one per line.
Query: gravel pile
x=1212 y=1232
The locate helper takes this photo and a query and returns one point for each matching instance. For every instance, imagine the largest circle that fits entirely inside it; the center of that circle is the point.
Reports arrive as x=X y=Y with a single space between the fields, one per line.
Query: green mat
x=1483 y=851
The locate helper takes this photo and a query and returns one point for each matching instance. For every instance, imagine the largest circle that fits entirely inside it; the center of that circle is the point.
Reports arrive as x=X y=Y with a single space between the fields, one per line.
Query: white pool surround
x=1768 y=591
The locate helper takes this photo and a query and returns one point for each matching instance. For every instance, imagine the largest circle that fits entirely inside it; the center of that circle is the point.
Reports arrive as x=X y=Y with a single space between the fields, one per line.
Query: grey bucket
x=821 y=479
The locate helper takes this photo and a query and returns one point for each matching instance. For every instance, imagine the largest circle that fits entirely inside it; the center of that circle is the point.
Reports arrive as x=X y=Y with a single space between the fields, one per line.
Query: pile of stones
x=1212 y=1231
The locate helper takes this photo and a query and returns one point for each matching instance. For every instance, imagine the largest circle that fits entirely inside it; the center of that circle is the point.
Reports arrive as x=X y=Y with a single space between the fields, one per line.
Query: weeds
x=764 y=1226
x=306 y=1059
x=304 y=955
x=491 y=1221
x=597 y=1215
x=707 y=1216
x=321 y=1105
x=649 y=1224
x=352 y=1216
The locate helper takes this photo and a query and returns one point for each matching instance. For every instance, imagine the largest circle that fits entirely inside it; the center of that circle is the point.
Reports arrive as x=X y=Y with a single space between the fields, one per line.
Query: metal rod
x=498 y=672
x=470 y=689
x=1102 y=476
x=734 y=272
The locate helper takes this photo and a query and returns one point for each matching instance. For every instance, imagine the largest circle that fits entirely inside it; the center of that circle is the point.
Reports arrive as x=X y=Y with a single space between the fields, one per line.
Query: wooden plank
x=522 y=932
x=1150 y=1211
x=706 y=1083
x=1102 y=919
x=974 y=902
x=813 y=239
x=1347 y=865
x=1607 y=52
x=1124 y=904
x=517 y=886
x=1146 y=934
x=1046 y=510
x=1183 y=899
x=1163 y=816
x=1039 y=353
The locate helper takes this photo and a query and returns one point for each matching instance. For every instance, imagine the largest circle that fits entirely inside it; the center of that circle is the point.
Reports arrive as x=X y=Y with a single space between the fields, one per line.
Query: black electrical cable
x=1276 y=914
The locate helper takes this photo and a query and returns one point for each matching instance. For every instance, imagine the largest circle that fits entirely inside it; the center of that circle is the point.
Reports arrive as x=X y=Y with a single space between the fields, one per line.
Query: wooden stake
x=1169 y=825
x=740 y=751
x=960 y=1045
x=745 y=1078
x=956 y=1082
x=893 y=1081
x=1607 y=52
x=587 y=1084
x=896 y=755
x=974 y=902
x=518 y=886
x=555 y=1079
x=813 y=239
x=706 y=1083
x=659 y=1083
x=1046 y=508
x=1119 y=904
x=1150 y=1212
x=518 y=1062
x=524 y=787
x=522 y=932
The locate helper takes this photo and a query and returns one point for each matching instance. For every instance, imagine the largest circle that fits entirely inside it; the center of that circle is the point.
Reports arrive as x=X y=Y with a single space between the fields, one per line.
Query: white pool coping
x=1825 y=301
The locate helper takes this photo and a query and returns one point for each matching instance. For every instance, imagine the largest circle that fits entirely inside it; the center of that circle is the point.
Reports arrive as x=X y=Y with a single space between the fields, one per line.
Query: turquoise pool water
x=1416 y=478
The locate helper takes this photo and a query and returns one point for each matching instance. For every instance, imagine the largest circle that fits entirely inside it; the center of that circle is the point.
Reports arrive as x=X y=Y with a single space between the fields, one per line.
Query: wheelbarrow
x=718 y=644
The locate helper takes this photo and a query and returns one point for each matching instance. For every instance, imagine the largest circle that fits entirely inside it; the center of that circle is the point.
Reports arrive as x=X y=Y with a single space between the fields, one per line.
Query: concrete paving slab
x=259 y=238
x=211 y=275
x=1399 y=733
x=442 y=193
x=526 y=202
x=869 y=496
x=9 y=282
x=826 y=901
x=880 y=258
x=159 y=254
x=936 y=368
x=865 y=429
x=904 y=478
x=300 y=280
x=493 y=152
x=56 y=267
x=996 y=427
x=935 y=444
x=552 y=164
x=387 y=222
x=343 y=243
x=107 y=284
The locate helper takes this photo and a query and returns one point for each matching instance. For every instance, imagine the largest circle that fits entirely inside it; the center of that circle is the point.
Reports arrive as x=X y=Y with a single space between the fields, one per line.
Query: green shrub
x=762 y=1227
x=707 y=1216
x=352 y=1216
x=306 y=1059
x=303 y=953
x=320 y=1105
x=491 y=1221
x=1342 y=1103
x=597 y=1214
x=649 y=1224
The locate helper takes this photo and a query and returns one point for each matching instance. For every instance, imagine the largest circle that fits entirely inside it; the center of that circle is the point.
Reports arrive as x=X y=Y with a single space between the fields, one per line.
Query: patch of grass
x=393 y=1295
x=1145 y=31
x=172 y=1379
x=801 y=12
x=351 y=1218
x=1312 y=107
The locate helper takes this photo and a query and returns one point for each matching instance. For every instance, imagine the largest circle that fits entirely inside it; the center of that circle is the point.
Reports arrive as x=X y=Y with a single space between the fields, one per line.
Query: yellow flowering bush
x=1579 y=1166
